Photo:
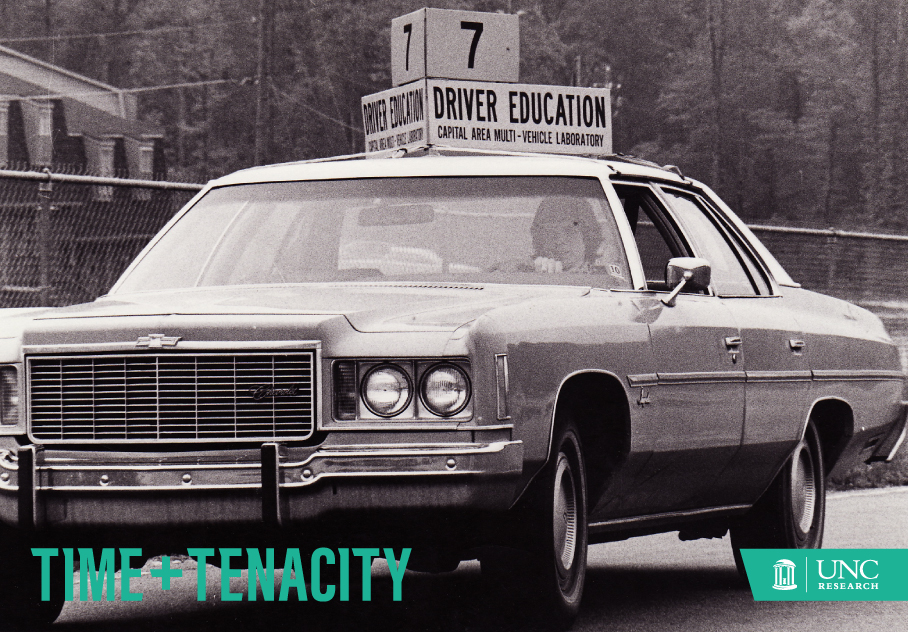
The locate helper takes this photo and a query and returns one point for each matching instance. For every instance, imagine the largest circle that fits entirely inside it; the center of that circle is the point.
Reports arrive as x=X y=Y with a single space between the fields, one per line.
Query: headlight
x=386 y=390
x=9 y=396
x=445 y=390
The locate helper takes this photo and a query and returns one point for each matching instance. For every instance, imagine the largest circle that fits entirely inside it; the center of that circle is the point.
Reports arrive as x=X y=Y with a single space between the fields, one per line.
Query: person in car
x=566 y=236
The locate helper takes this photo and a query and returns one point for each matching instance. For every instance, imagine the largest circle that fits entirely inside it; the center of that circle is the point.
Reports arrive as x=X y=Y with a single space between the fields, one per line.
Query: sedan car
x=498 y=357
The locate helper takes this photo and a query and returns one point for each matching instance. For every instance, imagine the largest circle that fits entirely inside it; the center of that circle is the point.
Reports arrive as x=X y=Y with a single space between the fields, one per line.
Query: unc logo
x=785 y=578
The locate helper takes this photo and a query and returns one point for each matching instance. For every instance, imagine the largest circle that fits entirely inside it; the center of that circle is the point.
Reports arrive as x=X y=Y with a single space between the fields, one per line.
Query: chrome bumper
x=48 y=487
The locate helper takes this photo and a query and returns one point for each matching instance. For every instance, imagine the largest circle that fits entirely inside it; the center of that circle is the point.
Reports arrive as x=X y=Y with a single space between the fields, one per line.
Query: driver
x=565 y=235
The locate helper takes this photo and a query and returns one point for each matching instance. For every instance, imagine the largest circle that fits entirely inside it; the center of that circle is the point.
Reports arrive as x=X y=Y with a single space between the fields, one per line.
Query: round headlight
x=386 y=390
x=445 y=389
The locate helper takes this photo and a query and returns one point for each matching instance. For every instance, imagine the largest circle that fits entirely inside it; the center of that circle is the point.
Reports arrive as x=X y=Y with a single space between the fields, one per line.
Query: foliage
x=864 y=476
x=793 y=111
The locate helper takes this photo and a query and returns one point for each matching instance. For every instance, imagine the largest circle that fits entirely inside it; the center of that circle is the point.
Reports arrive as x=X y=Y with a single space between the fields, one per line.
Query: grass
x=876 y=475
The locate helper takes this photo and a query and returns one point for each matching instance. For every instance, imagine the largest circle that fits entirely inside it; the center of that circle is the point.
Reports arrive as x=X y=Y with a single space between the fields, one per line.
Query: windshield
x=548 y=230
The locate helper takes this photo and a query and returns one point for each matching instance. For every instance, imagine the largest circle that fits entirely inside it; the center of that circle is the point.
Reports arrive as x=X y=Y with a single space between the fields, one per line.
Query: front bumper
x=275 y=485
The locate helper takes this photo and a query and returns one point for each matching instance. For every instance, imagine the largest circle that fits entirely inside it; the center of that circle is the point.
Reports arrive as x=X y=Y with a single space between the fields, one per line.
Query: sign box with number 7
x=446 y=44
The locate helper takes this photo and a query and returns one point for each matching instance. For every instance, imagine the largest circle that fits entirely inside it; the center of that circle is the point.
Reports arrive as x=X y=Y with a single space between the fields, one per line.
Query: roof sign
x=467 y=45
x=494 y=116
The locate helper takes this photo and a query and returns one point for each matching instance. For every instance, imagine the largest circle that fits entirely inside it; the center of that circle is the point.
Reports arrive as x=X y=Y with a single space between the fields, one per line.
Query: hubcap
x=803 y=489
x=564 y=515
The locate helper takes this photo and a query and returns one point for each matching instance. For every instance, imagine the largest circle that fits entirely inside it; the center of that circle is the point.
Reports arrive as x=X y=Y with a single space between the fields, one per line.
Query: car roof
x=441 y=161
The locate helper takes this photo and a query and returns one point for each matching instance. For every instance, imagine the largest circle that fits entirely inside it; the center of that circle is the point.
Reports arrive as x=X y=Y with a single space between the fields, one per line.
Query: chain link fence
x=65 y=239
x=866 y=268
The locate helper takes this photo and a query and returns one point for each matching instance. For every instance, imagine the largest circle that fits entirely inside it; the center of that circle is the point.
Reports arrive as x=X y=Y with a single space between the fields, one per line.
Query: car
x=477 y=355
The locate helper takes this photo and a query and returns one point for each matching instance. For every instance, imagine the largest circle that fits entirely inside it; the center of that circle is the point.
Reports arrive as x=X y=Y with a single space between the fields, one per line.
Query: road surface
x=650 y=583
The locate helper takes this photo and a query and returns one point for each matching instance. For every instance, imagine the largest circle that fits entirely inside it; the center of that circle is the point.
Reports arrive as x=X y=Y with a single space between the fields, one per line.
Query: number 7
x=408 y=29
x=477 y=28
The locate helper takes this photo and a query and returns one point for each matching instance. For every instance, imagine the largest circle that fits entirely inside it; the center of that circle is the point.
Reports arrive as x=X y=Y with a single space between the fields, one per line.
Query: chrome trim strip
x=405 y=450
x=645 y=379
x=423 y=462
x=150 y=468
x=345 y=461
x=502 y=383
x=489 y=427
x=184 y=346
x=409 y=424
x=617 y=522
x=702 y=377
x=779 y=376
x=824 y=375
x=711 y=377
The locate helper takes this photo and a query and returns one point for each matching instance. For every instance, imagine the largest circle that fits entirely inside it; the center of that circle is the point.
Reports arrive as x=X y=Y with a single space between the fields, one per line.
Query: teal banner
x=827 y=574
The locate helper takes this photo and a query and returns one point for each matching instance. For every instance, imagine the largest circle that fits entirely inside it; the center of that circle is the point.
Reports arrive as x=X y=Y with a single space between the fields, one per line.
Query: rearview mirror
x=686 y=273
x=396 y=215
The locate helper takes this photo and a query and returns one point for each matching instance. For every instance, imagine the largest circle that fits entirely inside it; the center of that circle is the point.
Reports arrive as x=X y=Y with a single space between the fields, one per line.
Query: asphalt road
x=651 y=583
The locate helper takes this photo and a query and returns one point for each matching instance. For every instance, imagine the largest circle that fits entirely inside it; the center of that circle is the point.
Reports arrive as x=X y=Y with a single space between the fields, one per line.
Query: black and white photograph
x=447 y=316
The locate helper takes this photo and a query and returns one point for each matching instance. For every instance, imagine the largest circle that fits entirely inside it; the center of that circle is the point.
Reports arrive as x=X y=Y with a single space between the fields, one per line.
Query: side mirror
x=690 y=273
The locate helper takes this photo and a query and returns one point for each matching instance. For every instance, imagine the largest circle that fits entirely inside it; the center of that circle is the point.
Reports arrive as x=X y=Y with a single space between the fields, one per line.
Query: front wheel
x=791 y=514
x=548 y=571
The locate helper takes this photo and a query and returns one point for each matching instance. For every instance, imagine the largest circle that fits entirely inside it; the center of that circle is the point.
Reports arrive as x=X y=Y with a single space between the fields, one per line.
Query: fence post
x=46 y=238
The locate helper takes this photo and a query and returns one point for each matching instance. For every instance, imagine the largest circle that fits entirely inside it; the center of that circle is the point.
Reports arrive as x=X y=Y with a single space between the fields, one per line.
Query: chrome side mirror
x=690 y=273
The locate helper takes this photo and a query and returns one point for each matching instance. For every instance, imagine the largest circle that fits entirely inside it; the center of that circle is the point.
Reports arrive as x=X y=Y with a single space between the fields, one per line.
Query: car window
x=745 y=248
x=656 y=237
x=730 y=277
x=532 y=230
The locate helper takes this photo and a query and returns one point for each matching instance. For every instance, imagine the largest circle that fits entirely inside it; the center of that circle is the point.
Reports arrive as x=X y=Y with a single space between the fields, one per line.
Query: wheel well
x=834 y=421
x=598 y=406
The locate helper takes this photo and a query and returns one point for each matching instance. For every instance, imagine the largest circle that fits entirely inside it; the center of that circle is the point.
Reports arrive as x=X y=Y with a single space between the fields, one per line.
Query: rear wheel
x=547 y=573
x=791 y=514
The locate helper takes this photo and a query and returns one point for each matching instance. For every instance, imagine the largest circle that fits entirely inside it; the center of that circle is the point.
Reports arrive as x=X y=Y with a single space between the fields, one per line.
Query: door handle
x=732 y=342
x=796 y=345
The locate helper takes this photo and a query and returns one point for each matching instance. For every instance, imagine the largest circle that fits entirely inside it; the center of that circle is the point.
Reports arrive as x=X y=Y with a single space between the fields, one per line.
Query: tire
x=21 y=607
x=547 y=572
x=791 y=514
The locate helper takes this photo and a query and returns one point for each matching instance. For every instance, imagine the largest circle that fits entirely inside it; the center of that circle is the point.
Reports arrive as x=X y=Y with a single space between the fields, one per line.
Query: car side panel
x=690 y=409
x=546 y=343
x=779 y=391
x=851 y=359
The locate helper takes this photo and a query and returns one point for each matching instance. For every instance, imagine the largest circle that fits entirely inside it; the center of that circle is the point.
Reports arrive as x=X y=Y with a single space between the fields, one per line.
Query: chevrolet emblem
x=157 y=341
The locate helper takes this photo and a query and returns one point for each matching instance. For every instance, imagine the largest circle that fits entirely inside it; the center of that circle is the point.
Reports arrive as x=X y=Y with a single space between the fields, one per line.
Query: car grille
x=172 y=396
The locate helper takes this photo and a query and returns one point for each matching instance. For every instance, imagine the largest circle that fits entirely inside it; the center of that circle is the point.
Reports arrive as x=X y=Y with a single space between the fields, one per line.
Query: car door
x=771 y=349
x=689 y=411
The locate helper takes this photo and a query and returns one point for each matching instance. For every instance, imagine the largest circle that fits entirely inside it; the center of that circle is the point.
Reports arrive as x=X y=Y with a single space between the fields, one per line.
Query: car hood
x=373 y=307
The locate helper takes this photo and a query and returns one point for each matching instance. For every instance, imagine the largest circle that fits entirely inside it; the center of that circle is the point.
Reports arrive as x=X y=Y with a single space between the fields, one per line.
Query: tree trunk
x=901 y=99
x=716 y=27
x=263 y=119
x=874 y=161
